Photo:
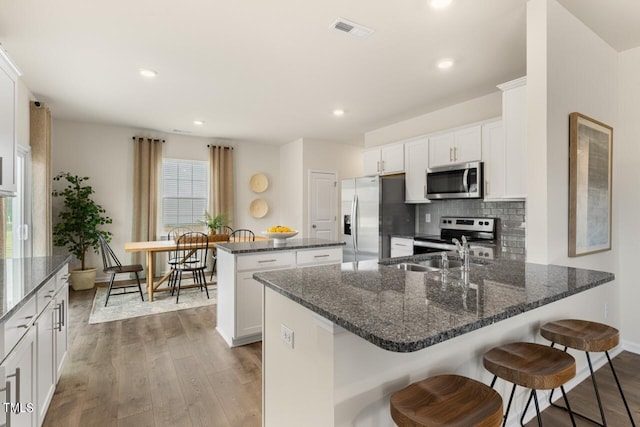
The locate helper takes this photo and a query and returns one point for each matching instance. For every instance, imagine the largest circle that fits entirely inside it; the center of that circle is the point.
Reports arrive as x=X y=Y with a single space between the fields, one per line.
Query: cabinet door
x=416 y=161
x=401 y=247
x=371 y=161
x=61 y=328
x=7 y=130
x=441 y=149
x=46 y=361
x=493 y=157
x=468 y=145
x=248 y=305
x=19 y=368
x=392 y=159
x=515 y=128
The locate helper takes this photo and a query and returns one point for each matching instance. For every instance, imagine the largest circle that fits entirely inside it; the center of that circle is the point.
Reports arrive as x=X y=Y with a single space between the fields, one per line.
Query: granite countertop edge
x=4 y=316
x=268 y=246
x=411 y=346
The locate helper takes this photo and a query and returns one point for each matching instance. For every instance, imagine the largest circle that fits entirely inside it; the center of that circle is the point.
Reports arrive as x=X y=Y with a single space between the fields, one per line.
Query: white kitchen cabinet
x=514 y=115
x=416 y=161
x=46 y=360
x=8 y=102
x=20 y=381
x=384 y=160
x=62 y=328
x=401 y=246
x=239 y=318
x=458 y=146
x=504 y=147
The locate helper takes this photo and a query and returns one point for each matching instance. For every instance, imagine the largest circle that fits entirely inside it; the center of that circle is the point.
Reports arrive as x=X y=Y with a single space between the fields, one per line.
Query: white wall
x=474 y=110
x=626 y=149
x=291 y=185
x=105 y=154
x=581 y=74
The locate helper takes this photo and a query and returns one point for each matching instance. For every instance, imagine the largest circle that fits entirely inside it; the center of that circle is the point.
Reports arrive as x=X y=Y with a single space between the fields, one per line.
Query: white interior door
x=323 y=204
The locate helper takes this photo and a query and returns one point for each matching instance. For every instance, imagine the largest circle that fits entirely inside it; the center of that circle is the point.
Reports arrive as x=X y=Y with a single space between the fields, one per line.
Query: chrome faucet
x=463 y=251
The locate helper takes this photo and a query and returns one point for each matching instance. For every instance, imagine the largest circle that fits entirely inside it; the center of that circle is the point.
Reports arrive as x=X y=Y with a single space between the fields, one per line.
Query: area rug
x=129 y=305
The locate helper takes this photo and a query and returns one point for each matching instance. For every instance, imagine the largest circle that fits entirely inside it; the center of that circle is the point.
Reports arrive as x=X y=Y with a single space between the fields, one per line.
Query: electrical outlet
x=427 y=217
x=286 y=335
x=606 y=310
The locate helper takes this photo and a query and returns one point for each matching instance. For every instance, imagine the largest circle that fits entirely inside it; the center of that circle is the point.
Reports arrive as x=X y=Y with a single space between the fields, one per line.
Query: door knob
x=313 y=226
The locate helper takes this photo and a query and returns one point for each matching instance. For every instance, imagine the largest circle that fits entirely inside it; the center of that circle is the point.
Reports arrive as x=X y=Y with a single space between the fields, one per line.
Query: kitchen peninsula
x=239 y=314
x=361 y=331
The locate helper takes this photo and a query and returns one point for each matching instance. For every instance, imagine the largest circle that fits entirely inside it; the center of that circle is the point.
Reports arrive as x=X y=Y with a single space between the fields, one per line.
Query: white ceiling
x=271 y=71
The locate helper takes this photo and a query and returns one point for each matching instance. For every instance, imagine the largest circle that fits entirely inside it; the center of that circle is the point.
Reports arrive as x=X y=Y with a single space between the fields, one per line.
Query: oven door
x=461 y=181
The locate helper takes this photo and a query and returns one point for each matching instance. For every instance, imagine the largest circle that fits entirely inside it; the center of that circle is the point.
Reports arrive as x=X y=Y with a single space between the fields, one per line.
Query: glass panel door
x=20 y=215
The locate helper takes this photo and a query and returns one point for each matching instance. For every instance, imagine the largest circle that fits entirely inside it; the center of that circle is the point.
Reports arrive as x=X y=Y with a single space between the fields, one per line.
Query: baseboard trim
x=631 y=346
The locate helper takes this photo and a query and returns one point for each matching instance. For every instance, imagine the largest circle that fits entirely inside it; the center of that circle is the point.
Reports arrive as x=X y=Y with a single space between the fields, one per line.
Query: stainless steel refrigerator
x=373 y=209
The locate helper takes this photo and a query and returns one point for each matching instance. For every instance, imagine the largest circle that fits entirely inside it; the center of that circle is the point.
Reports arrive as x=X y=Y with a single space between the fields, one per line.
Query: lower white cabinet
x=239 y=318
x=46 y=363
x=20 y=387
x=401 y=246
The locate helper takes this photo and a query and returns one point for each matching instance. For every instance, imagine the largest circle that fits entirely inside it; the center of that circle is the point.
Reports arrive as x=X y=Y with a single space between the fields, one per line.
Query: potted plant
x=79 y=224
x=215 y=224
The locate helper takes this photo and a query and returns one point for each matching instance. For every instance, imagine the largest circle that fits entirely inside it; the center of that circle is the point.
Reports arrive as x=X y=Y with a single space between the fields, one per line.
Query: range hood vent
x=351 y=28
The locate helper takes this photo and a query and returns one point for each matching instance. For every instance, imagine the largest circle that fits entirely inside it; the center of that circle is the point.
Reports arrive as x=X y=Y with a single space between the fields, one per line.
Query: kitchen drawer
x=62 y=277
x=45 y=294
x=266 y=261
x=319 y=256
x=18 y=324
x=401 y=246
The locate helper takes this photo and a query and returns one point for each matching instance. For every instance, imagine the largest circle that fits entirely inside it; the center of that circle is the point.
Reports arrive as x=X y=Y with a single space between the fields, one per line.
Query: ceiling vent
x=184 y=132
x=351 y=28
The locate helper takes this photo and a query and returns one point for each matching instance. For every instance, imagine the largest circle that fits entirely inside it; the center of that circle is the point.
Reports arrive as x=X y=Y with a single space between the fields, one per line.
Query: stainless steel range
x=480 y=233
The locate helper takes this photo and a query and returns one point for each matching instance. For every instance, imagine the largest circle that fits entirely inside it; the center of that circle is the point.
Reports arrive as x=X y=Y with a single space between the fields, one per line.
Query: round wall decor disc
x=259 y=208
x=259 y=182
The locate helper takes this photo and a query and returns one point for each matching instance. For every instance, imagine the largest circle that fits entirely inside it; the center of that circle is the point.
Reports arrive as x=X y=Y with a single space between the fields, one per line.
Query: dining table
x=151 y=248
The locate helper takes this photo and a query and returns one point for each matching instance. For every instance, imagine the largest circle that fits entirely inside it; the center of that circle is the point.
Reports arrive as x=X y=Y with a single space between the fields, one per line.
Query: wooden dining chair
x=242 y=235
x=214 y=253
x=111 y=264
x=191 y=257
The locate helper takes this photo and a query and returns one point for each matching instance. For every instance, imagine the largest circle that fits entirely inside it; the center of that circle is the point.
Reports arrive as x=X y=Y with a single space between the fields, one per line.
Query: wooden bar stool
x=588 y=337
x=447 y=401
x=530 y=365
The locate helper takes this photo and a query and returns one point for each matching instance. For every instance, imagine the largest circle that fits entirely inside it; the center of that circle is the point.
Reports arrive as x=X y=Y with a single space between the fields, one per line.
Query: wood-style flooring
x=173 y=369
x=169 y=369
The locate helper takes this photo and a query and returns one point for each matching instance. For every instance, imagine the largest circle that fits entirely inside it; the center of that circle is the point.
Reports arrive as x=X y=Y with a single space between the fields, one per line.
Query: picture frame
x=590 y=185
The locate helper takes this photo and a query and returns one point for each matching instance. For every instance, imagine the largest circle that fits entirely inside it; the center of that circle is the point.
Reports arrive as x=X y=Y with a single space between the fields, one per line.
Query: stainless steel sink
x=437 y=263
x=408 y=266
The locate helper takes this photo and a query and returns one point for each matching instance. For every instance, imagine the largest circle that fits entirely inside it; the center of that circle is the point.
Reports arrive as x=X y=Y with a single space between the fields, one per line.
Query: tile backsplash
x=510 y=228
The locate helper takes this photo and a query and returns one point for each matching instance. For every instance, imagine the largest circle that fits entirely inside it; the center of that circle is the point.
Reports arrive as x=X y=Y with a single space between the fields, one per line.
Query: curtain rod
x=221 y=146
x=136 y=137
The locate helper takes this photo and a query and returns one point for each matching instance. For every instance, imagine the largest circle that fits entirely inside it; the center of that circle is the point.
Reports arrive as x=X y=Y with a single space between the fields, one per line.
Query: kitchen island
x=357 y=332
x=239 y=314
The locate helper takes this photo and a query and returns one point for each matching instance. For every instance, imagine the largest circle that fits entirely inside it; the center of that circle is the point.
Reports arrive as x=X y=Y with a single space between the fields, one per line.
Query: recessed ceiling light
x=440 y=4
x=145 y=72
x=198 y=122
x=445 y=64
x=338 y=112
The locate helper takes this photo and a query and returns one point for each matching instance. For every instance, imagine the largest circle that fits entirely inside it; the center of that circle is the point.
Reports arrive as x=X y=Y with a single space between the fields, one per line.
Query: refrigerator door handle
x=465 y=180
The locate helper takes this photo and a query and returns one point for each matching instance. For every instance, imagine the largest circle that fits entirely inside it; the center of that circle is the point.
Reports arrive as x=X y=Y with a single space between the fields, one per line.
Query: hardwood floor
x=168 y=369
x=173 y=369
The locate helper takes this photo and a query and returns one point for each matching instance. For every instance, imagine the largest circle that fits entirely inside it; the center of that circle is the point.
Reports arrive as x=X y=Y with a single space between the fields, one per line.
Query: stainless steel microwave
x=459 y=181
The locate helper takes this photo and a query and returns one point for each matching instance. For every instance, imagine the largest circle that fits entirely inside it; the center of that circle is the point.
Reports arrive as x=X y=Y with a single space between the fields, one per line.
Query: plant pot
x=83 y=279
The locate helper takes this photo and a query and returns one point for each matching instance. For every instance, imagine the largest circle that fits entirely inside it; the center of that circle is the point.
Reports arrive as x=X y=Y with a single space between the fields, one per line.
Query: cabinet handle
x=7 y=390
x=455 y=153
x=486 y=187
x=266 y=260
x=321 y=256
x=58 y=308
x=47 y=296
x=378 y=166
x=451 y=154
x=22 y=326
x=399 y=244
x=382 y=166
x=62 y=315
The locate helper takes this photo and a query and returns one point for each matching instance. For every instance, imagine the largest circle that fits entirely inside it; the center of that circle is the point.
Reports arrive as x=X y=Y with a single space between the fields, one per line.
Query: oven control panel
x=471 y=224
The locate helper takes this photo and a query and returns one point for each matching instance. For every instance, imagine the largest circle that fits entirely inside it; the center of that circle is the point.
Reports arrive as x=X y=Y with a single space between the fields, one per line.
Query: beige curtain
x=147 y=165
x=221 y=174
x=41 y=173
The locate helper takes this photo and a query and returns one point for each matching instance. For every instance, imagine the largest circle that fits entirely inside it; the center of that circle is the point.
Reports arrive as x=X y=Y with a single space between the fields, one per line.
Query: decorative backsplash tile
x=510 y=228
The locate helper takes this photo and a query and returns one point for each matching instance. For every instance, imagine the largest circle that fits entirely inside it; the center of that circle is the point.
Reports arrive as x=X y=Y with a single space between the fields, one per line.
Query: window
x=185 y=185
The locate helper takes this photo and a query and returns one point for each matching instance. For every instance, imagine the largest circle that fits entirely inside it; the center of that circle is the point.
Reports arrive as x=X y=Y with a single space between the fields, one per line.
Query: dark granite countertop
x=270 y=245
x=21 y=278
x=405 y=311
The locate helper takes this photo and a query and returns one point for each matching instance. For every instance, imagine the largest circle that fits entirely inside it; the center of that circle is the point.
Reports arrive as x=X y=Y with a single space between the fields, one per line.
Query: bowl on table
x=280 y=237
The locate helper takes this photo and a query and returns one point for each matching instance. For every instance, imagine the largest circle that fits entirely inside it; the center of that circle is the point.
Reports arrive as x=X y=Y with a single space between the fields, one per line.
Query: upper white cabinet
x=504 y=149
x=384 y=160
x=458 y=146
x=8 y=101
x=416 y=157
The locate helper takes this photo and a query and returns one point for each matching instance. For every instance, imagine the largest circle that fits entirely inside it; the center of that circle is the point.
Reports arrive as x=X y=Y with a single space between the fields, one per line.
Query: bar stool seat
x=447 y=401
x=586 y=336
x=530 y=365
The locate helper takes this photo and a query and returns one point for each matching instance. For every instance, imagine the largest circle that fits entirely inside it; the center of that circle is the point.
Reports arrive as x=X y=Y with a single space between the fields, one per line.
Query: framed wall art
x=590 y=172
